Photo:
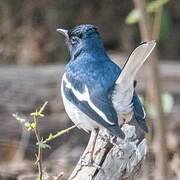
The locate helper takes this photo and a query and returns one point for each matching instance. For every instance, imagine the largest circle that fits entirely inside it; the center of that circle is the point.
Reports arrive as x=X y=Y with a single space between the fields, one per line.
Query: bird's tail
x=116 y=131
x=134 y=63
x=124 y=86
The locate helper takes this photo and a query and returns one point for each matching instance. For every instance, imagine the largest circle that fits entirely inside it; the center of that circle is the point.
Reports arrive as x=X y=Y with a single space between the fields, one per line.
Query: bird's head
x=83 y=39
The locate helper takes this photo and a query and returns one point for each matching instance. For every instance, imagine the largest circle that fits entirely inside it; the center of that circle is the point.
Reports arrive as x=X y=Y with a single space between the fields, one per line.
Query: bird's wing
x=139 y=112
x=124 y=85
x=94 y=103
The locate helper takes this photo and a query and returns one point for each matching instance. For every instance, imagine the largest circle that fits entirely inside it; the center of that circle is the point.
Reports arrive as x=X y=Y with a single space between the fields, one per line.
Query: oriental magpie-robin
x=96 y=92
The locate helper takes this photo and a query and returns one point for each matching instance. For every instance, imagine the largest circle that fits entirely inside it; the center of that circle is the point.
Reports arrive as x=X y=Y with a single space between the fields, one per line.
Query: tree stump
x=119 y=160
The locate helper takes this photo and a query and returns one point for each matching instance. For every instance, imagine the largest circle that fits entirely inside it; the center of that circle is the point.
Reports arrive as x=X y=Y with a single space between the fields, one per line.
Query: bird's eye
x=74 y=40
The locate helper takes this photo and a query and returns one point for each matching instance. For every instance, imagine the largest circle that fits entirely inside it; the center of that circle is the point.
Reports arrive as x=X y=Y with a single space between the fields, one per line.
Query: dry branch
x=119 y=160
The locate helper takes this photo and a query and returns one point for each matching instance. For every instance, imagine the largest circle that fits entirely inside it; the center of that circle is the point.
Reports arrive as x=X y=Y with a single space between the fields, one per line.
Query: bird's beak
x=64 y=32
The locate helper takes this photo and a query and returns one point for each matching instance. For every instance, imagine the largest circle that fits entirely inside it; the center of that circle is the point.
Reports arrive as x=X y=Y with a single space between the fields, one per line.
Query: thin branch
x=39 y=155
x=58 y=134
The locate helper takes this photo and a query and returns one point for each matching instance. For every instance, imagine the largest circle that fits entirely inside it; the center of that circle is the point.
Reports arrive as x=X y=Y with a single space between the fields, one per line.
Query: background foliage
x=27 y=33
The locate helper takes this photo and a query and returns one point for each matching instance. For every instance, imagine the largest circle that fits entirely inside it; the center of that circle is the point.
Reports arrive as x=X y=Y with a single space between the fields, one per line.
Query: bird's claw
x=109 y=138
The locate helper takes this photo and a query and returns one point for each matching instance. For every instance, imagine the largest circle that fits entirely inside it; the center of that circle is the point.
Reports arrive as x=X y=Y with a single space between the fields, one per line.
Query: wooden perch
x=119 y=160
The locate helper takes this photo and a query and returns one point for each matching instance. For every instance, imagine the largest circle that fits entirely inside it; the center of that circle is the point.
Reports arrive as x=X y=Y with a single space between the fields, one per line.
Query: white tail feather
x=124 y=88
x=134 y=63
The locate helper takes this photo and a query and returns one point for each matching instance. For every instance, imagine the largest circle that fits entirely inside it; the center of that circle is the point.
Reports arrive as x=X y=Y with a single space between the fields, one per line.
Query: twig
x=39 y=155
x=33 y=125
x=59 y=176
x=36 y=115
x=60 y=133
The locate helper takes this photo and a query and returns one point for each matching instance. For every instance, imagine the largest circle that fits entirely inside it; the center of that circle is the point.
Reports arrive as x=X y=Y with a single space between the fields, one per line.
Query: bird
x=97 y=93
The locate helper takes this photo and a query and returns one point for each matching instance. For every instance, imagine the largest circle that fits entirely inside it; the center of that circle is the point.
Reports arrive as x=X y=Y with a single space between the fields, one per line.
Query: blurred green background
x=28 y=36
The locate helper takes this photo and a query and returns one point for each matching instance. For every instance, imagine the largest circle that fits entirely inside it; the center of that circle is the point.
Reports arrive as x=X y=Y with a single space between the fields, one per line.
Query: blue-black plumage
x=96 y=92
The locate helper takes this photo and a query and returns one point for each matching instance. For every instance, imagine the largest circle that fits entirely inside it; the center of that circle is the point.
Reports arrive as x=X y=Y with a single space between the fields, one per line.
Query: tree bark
x=119 y=160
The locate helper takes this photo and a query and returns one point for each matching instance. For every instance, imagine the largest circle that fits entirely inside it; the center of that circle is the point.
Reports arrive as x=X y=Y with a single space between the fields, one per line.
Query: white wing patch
x=144 y=116
x=85 y=97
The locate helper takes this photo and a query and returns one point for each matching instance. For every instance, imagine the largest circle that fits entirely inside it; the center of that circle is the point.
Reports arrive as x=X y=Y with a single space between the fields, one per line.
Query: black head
x=82 y=31
x=82 y=38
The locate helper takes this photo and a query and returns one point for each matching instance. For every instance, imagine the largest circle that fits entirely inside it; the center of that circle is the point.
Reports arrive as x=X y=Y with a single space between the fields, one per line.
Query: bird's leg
x=91 y=162
x=96 y=131
x=108 y=137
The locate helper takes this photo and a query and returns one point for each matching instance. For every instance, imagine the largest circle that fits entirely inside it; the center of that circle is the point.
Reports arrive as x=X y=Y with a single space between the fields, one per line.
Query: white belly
x=80 y=119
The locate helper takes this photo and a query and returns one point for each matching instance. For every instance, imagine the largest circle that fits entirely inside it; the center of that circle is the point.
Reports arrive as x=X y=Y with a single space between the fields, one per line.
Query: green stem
x=39 y=156
x=60 y=133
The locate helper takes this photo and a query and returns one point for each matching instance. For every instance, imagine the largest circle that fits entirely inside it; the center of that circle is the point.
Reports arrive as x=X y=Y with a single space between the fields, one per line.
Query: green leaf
x=43 y=145
x=33 y=125
x=151 y=110
x=167 y=105
x=153 y=6
x=30 y=126
x=133 y=17
x=40 y=112
x=167 y=102
x=34 y=113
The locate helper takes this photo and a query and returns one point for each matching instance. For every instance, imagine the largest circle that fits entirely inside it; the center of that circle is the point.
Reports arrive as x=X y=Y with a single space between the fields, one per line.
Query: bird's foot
x=109 y=138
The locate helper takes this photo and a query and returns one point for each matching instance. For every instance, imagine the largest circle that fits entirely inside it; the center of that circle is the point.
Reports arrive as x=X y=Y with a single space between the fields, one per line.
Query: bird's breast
x=75 y=114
